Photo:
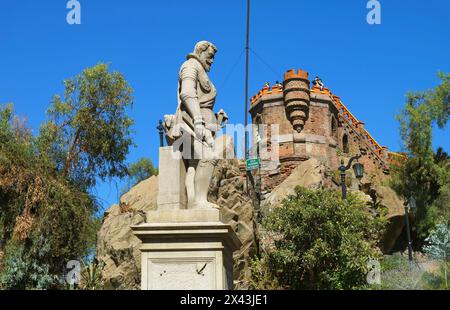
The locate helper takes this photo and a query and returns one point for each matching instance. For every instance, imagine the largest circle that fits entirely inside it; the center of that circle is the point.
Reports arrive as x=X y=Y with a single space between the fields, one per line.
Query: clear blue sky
x=370 y=66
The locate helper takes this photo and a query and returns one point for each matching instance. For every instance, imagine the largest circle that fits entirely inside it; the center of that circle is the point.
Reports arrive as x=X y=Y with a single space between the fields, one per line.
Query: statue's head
x=205 y=52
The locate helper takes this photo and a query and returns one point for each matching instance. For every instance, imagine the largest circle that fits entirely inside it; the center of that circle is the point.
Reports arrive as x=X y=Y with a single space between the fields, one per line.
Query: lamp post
x=160 y=129
x=358 y=168
x=409 y=204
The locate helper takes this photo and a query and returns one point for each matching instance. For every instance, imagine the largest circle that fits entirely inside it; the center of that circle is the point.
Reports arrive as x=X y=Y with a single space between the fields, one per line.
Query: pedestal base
x=184 y=254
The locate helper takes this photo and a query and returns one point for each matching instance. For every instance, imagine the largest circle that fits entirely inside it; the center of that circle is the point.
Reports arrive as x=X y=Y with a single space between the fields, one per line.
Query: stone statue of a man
x=194 y=125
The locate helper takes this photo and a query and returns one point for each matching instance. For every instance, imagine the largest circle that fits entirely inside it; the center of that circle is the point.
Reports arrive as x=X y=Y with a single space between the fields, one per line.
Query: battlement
x=324 y=91
x=296 y=74
x=265 y=91
x=359 y=126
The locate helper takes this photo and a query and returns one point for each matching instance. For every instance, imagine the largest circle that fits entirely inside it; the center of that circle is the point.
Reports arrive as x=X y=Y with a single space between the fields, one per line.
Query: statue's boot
x=190 y=187
x=203 y=178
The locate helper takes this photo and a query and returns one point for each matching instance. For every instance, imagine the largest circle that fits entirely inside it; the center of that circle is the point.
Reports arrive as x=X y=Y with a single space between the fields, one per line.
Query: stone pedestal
x=172 y=188
x=186 y=250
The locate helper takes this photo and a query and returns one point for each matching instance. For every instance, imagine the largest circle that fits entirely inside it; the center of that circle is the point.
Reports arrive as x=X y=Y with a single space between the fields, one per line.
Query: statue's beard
x=205 y=62
x=207 y=66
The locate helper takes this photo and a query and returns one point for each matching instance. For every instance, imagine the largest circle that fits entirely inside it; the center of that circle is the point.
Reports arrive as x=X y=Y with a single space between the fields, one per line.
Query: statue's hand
x=199 y=131
x=209 y=139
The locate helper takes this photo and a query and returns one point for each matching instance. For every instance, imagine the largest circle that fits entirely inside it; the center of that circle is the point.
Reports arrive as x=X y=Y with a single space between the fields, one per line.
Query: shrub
x=321 y=241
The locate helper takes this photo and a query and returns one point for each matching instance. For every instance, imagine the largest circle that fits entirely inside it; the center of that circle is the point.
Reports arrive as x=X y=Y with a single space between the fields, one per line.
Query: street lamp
x=409 y=204
x=160 y=129
x=358 y=168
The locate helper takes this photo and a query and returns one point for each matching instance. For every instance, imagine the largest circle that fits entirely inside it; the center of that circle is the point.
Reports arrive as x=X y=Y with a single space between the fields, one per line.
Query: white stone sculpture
x=192 y=130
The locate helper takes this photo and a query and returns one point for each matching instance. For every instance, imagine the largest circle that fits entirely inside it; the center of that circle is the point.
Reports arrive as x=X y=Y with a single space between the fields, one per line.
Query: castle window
x=345 y=144
x=333 y=126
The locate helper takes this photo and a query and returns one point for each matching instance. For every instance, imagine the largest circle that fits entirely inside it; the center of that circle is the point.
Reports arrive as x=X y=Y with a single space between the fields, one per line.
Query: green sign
x=252 y=164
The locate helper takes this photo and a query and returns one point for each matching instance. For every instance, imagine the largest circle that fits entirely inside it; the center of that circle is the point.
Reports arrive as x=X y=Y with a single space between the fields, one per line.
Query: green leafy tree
x=47 y=206
x=439 y=246
x=89 y=133
x=141 y=170
x=138 y=172
x=321 y=241
x=45 y=219
x=424 y=174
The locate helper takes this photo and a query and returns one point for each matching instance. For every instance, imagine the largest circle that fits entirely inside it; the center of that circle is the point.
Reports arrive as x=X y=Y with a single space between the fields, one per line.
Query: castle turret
x=296 y=97
x=311 y=123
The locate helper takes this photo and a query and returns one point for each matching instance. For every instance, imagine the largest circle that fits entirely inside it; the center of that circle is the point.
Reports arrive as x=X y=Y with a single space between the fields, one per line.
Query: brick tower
x=312 y=123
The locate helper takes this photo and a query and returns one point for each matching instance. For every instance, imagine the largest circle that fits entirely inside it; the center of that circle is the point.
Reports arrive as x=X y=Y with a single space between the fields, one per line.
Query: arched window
x=333 y=126
x=345 y=144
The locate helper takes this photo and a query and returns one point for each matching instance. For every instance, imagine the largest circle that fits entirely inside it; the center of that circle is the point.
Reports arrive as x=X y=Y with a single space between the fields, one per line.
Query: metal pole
x=161 y=133
x=246 y=87
x=408 y=234
x=342 y=168
x=343 y=185
x=258 y=186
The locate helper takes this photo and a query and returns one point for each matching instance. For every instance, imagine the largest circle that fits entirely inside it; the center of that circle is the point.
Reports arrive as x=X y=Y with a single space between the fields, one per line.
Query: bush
x=439 y=247
x=321 y=241
x=22 y=269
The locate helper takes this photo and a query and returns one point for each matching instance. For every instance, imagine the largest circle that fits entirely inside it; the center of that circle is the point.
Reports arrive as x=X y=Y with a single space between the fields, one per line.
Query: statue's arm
x=188 y=93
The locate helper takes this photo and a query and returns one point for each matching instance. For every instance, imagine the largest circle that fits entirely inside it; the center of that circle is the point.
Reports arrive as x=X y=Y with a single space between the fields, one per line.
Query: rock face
x=309 y=174
x=313 y=174
x=118 y=248
x=388 y=199
x=227 y=191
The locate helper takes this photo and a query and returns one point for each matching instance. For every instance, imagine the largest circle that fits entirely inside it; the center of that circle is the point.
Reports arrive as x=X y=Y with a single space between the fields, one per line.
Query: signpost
x=252 y=164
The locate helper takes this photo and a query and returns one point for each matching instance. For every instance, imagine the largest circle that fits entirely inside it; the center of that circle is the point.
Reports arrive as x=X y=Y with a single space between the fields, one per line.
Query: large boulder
x=310 y=174
x=117 y=246
x=385 y=197
x=142 y=197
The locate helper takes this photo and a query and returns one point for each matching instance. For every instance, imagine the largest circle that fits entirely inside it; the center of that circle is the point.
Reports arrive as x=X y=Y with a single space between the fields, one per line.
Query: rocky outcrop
x=309 y=174
x=118 y=248
x=227 y=191
x=385 y=197
x=313 y=174
x=142 y=197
